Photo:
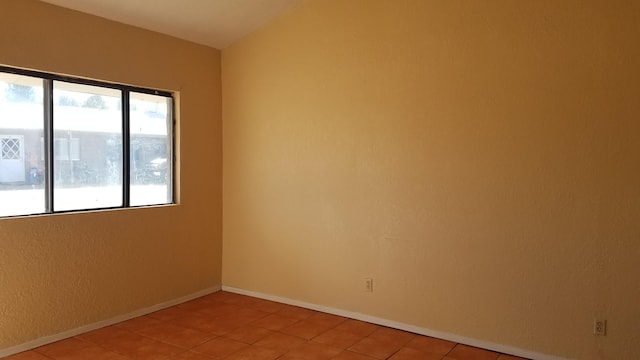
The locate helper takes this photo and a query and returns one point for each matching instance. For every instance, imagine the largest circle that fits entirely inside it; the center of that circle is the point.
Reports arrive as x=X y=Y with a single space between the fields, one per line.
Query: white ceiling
x=216 y=23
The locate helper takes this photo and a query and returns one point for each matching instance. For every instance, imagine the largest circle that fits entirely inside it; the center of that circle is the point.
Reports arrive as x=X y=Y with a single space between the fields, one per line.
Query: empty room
x=320 y=179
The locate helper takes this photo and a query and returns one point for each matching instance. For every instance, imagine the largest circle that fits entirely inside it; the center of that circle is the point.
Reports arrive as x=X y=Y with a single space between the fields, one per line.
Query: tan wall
x=479 y=159
x=60 y=272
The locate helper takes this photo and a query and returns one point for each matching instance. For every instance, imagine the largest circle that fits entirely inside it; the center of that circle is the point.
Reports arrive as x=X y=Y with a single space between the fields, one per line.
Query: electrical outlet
x=600 y=327
x=368 y=285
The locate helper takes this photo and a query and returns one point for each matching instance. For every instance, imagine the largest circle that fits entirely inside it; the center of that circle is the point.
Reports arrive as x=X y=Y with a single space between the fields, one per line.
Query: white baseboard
x=401 y=326
x=100 y=324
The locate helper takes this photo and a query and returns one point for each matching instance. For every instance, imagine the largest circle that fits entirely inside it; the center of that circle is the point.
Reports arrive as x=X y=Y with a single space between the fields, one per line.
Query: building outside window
x=68 y=144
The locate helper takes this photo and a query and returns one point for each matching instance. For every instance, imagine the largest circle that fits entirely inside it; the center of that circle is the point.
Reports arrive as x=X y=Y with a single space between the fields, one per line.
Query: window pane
x=87 y=147
x=21 y=130
x=151 y=143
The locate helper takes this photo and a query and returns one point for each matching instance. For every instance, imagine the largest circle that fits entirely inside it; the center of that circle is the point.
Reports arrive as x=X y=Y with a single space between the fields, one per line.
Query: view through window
x=67 y=145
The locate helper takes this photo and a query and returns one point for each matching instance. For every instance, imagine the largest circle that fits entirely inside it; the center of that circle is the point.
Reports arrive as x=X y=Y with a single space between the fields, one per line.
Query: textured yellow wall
x=60 y=272
x=479 y=159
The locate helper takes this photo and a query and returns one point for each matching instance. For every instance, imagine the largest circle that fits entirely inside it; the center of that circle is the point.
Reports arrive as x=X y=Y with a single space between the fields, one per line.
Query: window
x=68 y=144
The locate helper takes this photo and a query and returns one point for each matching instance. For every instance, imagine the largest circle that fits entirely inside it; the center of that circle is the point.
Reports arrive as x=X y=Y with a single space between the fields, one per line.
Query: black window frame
x=49 y=137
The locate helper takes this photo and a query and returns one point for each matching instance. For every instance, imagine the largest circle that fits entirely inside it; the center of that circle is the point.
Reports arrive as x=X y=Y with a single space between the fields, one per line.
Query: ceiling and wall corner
x=215 y=23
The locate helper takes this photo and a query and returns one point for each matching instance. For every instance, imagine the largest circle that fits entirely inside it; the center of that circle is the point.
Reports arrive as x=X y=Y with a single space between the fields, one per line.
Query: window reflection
x=21 y=130
x=151 y=144
x=87 y=147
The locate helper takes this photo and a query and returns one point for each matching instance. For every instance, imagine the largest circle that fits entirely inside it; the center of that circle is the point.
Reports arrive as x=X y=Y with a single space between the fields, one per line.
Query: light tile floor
x=229 y=326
